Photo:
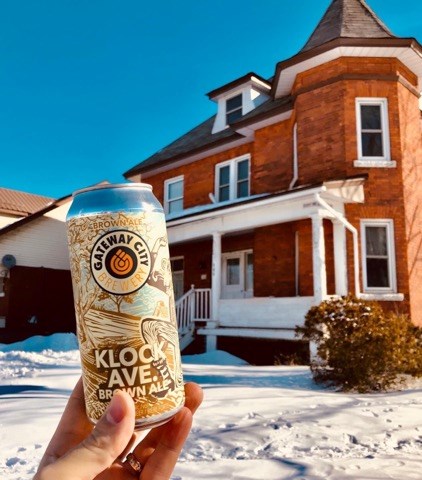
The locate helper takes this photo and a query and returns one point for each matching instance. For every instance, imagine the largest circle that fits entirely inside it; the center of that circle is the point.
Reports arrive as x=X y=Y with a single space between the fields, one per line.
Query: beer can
x=124 y=301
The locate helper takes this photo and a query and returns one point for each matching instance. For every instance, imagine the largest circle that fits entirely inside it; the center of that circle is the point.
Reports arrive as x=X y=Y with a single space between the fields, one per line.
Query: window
x=173 y=195
x=373 y=136
x=233 y=108
x=232 y=179
x=378 y=256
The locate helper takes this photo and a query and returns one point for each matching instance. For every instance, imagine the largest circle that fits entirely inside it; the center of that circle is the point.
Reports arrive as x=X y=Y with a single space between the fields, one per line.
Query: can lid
x=102 y=186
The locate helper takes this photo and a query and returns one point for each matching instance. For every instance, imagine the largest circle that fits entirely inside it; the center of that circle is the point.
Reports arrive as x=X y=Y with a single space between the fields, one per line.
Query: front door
x=177 y=270
x=237 y=274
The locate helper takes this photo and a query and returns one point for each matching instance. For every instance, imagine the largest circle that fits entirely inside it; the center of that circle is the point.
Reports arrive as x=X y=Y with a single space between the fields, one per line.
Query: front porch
x=271 y=318
x=282 y=241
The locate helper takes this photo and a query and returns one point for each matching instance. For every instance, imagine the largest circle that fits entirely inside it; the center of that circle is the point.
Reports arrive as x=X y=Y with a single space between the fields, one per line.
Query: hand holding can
x=124 y=301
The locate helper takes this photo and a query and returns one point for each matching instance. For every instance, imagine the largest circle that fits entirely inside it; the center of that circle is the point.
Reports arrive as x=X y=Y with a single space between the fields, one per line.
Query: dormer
x=238 y=98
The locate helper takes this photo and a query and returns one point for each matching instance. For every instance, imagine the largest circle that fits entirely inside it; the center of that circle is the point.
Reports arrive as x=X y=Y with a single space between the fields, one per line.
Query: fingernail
x=115 y=411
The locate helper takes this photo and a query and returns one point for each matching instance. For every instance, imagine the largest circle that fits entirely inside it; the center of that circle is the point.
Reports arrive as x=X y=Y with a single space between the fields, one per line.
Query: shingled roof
x=347 y=19
x=200 y=137
x=14 y=202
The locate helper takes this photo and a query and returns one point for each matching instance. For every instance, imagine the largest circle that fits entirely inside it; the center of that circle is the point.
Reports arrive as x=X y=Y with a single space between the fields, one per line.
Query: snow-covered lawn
x=256 y=422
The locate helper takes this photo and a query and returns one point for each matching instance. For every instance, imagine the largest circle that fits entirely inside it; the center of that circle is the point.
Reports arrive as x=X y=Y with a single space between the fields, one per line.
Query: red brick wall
x=411 y=159
x=199 y=177
x=324 y=110
x=273 y=158
x=197 y=262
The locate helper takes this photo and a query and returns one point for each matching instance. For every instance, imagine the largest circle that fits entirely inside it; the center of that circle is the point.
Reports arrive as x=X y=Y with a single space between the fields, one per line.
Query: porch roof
x=266 y=209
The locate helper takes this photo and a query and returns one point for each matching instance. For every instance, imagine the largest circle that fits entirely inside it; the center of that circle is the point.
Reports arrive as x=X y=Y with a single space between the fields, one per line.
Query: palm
x=159 y=448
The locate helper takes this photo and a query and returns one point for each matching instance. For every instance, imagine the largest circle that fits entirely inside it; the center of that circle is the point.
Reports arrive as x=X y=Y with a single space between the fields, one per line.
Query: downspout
x=354 y=232
x=295 y=160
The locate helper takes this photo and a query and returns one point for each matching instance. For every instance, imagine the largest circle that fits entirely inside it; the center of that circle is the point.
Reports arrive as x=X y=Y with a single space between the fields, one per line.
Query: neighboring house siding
x=40 y=243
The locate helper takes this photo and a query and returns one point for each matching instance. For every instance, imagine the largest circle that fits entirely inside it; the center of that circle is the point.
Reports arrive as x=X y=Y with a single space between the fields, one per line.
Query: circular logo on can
x=120 y=262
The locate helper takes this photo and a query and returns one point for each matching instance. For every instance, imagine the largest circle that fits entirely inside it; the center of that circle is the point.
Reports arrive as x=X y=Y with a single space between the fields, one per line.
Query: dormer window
x=233 y=108
x=237 y=99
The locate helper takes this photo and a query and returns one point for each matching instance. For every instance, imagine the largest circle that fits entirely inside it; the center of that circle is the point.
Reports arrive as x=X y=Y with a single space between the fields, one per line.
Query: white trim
x=383 y=297
x=216 y=276
x=375 y=163
x=340 y=216
x=233 y=174
x=167 y=184
x=391 y=255
x=279 y=334
x=385 y=131
x=260 y=211
x=407 y=55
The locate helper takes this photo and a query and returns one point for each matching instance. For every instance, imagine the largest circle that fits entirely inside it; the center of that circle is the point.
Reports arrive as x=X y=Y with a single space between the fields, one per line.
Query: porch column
x=318 y=258
x=340 y=257
x=215 y=288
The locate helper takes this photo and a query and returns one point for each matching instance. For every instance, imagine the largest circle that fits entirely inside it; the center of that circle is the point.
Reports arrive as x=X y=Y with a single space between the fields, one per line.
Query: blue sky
x=89 y=88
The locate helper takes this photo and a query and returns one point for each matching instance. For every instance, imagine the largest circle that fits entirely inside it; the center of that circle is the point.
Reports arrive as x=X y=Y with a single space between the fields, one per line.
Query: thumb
x=100 y=449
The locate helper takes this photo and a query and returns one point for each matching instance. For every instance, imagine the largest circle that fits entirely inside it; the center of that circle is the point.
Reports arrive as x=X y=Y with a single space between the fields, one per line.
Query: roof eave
x=342 y=42
x=247 y=122
x=23 y=221
x=237 y=83
x=138 y=170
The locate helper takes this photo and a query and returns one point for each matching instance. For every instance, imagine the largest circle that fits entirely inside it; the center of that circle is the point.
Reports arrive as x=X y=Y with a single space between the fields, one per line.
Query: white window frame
x=391 y=252
x=167 y=200
x=233 y=177
x=381 y=161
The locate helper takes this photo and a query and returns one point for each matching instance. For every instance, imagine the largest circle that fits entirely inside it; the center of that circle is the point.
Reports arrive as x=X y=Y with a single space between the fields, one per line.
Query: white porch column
x=215 y=288
x=318 y=258
x=340 y=257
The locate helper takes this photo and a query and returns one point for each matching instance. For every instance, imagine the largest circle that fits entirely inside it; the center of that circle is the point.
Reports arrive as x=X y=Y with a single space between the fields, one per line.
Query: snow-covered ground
x=255 y=423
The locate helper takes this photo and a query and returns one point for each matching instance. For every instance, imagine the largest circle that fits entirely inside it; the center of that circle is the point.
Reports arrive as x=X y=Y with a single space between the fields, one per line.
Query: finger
x=101 y=448
x=193 y=399
x=161 y=463
x=193 y=396
x=73 y=427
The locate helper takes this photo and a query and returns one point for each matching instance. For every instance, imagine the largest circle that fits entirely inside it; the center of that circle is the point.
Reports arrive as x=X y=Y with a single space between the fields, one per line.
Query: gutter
x=295 y=160
x=354 y=232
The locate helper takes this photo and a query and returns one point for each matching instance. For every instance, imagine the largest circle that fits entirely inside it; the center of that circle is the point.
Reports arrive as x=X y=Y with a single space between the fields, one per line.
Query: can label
x=125 y=313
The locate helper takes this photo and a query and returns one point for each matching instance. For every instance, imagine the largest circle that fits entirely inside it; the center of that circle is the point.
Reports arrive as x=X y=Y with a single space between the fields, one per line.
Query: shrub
x=359 y=346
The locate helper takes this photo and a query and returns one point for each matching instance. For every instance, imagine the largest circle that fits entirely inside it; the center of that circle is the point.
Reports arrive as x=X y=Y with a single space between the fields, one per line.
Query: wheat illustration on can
x=124 y=301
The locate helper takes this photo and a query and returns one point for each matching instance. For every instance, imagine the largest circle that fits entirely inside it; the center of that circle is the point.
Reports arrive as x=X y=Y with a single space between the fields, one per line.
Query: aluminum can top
x=110 y=197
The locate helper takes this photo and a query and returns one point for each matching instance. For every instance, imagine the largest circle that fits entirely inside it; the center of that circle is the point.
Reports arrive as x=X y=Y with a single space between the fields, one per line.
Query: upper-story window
x=232 y=179
x=373 y=137
x=378 y=256
x=233 y=108
x=173 y=195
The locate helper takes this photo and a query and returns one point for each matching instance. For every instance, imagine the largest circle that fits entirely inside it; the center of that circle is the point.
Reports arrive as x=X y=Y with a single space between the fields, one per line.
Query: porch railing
x=194 y=305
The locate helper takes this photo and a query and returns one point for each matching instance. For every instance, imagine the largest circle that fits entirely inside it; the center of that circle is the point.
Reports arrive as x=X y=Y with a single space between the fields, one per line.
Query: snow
x=267 y=422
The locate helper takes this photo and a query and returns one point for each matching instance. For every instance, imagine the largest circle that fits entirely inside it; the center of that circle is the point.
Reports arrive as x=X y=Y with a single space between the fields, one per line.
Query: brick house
x=302 y=186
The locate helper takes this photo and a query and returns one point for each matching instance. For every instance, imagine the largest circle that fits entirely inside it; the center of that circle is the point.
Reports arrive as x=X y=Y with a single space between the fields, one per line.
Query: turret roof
x=347 y=19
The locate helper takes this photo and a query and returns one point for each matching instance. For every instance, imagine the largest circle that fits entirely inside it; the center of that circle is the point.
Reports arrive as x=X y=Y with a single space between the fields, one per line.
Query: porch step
x=271 y=333
x=185 y=339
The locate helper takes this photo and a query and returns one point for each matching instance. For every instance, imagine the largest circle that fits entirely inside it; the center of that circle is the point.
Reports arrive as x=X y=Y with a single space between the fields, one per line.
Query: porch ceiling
x=296 y=204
